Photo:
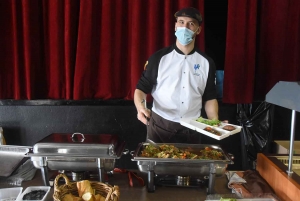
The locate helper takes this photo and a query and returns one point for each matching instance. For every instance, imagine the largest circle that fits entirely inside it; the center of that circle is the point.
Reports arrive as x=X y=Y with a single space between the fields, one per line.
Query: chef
x=181 y=79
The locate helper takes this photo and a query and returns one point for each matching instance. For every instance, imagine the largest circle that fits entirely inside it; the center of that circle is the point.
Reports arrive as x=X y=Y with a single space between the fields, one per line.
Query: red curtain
x=278 y=56
x=82 y=49
x=262 y=48
x=240 y=51
x=96 y=49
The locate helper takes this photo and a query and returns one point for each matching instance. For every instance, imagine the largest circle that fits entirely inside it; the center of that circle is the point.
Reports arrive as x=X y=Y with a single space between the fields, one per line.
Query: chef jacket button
x=182 y=102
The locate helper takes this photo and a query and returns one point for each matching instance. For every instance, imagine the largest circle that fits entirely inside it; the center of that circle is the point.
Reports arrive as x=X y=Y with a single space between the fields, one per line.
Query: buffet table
x=138 y=192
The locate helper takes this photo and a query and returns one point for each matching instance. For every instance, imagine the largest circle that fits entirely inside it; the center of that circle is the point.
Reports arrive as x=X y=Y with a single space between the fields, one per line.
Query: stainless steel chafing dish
x=76 y=152
x=182 y=167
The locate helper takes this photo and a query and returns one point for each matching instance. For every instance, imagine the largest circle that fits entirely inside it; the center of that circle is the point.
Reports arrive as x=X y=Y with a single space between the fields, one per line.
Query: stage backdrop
x=262 y=48
x=96 y=49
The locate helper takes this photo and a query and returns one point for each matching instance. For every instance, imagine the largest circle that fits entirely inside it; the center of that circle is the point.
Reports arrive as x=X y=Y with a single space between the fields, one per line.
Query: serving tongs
x=153 y=143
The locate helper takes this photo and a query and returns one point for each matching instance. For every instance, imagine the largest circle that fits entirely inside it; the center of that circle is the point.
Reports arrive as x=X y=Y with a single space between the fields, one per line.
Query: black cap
x=189 y=12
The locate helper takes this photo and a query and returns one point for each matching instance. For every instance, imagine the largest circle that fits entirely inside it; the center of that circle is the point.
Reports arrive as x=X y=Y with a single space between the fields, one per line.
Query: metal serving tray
x=182 y=167
x=194 y=148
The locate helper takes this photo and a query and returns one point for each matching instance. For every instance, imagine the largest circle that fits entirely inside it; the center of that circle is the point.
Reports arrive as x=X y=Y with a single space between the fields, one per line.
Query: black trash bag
x=256 y=132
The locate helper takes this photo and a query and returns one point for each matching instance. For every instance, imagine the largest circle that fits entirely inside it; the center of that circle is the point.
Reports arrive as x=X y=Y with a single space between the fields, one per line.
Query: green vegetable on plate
x=211 y=122
x=227 y=199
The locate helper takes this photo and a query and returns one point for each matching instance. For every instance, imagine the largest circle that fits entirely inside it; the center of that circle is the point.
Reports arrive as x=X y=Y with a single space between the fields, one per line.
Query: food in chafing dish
x=210 y=122
x=170 y=151
x=213 y=131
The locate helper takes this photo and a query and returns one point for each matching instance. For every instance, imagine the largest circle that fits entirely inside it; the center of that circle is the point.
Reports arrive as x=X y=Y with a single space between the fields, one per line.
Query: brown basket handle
x=57 y=179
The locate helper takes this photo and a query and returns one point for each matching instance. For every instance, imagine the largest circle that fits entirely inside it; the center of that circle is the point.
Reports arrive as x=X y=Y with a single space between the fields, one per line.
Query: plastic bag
x=256 y=132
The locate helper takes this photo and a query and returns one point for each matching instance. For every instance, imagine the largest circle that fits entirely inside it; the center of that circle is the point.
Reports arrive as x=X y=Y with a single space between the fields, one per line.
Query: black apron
x=161 y=130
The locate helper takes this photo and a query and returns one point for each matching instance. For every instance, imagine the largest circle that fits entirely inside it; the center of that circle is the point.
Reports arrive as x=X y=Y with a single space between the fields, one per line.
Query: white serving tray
x=199 y=127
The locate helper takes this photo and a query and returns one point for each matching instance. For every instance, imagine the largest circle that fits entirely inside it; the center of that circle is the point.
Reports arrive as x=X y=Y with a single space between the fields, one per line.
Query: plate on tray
x=202 y=128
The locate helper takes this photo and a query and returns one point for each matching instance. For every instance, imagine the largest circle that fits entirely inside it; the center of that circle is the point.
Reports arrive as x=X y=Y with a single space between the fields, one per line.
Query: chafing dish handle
x=82 y=137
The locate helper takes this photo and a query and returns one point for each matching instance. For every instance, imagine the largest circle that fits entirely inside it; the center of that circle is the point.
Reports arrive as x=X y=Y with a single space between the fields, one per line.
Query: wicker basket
x=111 y=193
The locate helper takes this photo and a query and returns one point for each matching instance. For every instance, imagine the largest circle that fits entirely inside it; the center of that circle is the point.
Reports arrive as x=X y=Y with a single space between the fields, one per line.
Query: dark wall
x=282 y=124
x=25 y=123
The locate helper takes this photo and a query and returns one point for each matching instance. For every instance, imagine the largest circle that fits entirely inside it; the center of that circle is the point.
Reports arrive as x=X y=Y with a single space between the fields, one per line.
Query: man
x=180 y=79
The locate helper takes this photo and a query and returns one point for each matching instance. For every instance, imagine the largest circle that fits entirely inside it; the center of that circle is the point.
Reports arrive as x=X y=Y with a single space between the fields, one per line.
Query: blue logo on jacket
x=196 y=68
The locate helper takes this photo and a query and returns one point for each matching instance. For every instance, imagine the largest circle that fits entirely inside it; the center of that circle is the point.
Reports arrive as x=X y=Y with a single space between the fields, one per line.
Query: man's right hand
x=144 y=115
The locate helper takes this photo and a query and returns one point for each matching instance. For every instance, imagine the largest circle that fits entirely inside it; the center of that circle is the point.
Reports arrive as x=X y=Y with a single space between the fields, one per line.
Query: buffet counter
x=287 y=187
x=138 y=192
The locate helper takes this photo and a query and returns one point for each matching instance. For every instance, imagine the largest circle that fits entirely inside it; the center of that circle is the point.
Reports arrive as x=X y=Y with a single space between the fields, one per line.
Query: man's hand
x=144 y=115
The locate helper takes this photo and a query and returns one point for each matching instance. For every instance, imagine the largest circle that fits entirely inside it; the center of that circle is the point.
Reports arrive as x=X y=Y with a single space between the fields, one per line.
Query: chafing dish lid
x=78 y=144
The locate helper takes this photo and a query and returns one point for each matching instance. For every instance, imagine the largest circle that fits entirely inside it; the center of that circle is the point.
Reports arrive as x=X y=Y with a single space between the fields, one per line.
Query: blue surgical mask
x=184 y=35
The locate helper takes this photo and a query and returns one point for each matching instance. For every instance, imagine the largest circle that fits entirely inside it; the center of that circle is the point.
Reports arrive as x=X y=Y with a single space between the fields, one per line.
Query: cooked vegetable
x=170 y=151
x=213 y=131
x=211 y=122
x=227 y=199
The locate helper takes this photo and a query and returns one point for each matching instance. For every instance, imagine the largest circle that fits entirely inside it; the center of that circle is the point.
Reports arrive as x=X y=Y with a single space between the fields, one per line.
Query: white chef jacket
x=178 y=83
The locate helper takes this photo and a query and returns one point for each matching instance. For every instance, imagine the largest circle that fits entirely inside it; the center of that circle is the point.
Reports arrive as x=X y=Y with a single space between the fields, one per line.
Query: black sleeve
x=149 y=75
x=210 y=91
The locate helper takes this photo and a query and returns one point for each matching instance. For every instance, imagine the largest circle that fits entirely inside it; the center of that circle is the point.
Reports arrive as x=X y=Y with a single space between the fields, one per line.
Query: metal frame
x=286 y=94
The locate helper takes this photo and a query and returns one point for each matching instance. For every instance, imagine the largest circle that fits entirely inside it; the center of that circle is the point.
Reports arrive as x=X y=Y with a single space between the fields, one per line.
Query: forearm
x=212 y=109
x=139 y=96
x=143 y=113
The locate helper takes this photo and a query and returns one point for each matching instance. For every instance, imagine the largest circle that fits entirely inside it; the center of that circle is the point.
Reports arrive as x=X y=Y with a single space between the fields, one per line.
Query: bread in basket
x=110 y=193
